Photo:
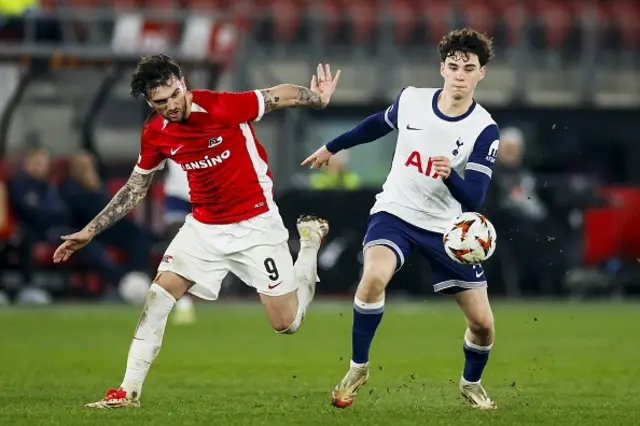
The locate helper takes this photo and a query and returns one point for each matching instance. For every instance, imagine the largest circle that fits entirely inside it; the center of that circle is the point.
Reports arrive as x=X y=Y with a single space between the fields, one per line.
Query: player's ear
x=148 y=102
x=442 y=69
x=483 y=71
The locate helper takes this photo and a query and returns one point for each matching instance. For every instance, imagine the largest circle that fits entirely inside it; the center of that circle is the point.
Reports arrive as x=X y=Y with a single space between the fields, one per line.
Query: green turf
x=553 y=363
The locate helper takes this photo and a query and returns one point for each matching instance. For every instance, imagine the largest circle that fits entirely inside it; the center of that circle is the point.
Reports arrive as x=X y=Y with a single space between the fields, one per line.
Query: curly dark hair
x=151 y=72
x=466 y=41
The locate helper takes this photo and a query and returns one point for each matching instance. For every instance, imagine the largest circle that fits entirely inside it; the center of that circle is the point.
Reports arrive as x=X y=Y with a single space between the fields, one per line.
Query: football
x=470 y=239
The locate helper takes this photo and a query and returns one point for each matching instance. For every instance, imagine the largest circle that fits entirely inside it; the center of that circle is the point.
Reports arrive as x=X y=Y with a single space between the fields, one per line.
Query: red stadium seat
x=439 y=16
x=287 y=18
x=126 y=5
x=511 y=17
x=403 y=15
x=478 y=15
x=555 y=18
x=329 y=12
x=362 y=16
x=626 y=14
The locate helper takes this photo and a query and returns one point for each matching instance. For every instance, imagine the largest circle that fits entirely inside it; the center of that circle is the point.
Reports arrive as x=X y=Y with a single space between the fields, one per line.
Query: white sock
x=306 y=272
x=147 y=339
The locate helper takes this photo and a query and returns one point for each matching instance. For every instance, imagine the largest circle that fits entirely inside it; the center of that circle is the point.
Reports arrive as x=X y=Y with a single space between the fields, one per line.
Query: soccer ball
x=470 y=239
x=133 y=288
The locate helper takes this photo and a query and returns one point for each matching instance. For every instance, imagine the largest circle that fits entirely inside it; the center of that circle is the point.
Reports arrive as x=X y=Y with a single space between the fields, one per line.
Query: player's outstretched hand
x=71 y=244
x=442 y=166
x=324 y=84
x=319 y=158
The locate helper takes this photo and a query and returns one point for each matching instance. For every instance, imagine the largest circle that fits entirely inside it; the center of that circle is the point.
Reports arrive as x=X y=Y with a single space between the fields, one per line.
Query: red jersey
x=227 y=168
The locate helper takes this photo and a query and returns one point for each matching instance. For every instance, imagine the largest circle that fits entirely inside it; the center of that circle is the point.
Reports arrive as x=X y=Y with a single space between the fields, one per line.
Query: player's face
x=170 y=100
x=461 y=74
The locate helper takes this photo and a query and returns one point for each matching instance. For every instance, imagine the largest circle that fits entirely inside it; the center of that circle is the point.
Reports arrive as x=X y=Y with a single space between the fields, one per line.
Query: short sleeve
x=391 y=113
x=150 y=158
x=485 y=150
x=241 y=107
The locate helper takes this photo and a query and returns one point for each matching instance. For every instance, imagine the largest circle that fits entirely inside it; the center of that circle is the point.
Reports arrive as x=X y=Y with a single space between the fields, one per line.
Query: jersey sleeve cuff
x=142 y=171
x=260 y=105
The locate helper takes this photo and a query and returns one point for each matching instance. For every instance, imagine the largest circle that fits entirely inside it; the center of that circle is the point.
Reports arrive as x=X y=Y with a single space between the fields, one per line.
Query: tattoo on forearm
x=271 y=101
x=123 y=202
x=308 y=98
x=291 y=96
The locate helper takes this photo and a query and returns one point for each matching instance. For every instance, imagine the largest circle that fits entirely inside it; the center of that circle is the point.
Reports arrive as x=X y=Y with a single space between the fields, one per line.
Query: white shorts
x=255 y=250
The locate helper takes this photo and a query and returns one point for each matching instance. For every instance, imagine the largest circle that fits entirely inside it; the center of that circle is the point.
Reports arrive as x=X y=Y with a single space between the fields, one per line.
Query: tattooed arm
x=318 y=96
x=122 y=203
x=125 y=200
x=288 y=96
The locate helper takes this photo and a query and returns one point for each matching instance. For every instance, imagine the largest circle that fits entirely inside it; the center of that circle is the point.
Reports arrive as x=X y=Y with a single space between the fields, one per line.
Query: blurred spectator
x=85 y=195
x=45 y=216
x=16 y=16
x=336 y=175
x=524 y=225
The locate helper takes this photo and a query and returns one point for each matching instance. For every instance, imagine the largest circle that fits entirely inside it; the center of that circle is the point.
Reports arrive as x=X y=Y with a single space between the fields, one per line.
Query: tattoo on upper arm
x=285 y=96
x=123 y=202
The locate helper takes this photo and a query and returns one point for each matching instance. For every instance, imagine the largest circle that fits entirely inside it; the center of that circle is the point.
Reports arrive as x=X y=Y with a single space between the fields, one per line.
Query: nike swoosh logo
x=175 y=151
x=478 y=275
x=412 y=128
x=271 y=287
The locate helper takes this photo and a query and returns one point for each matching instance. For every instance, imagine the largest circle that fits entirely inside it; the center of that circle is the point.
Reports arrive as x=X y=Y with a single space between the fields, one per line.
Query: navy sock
x=366 y=318
x=475 y=359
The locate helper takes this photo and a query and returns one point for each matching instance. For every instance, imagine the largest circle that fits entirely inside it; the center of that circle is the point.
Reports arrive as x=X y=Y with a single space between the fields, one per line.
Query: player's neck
x=189 y=98
x=453 y=107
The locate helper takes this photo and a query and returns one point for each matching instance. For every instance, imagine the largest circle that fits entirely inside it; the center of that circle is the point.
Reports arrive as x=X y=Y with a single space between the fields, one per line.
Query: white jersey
x=413 y=191
x=176 y=184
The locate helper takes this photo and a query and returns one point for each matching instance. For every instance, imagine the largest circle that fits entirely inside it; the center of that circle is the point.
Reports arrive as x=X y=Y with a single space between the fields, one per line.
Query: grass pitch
x=553 y=363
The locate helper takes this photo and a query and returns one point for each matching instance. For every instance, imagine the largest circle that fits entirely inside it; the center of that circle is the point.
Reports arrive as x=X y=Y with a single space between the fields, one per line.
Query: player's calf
x=478 y=341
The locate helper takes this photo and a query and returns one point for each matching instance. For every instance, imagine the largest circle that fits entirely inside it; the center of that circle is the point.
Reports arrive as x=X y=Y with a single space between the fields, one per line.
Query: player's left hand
x=442 y=166
x=319 y=158
x=324 y=84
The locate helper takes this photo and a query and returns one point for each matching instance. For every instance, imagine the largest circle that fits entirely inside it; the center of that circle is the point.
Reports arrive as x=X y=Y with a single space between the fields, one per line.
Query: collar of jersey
x=436 y=110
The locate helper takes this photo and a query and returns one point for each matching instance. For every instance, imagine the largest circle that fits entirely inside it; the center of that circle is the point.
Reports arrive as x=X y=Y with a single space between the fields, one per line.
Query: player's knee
x=374 y=281
x=288 y=326
x=482 y=324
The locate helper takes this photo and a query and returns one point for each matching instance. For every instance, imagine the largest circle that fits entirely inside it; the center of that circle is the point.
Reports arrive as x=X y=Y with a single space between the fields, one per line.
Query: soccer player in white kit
x=234 y=226
x=446 y=147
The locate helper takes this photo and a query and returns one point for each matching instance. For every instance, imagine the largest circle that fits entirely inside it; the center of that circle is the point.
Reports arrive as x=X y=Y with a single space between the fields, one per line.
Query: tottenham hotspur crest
x=456 y=151
x=215 y=141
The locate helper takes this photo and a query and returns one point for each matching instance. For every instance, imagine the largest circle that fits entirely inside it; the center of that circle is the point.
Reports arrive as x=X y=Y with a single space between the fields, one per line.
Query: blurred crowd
x=38 y=205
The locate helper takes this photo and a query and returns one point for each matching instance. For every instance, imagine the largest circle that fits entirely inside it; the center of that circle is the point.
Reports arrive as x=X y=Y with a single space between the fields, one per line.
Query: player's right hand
x=319 y=158
x=71 y=244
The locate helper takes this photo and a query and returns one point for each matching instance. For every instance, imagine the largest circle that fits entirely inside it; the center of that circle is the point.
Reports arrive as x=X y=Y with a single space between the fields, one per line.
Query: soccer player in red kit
x=234 y=226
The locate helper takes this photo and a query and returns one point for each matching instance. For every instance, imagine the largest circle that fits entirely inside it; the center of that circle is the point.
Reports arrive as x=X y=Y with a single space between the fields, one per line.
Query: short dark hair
x=466 y=41
x=151 y=72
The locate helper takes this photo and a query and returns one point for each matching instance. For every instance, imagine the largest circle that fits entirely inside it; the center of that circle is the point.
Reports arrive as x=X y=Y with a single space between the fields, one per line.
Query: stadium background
x=566 y=74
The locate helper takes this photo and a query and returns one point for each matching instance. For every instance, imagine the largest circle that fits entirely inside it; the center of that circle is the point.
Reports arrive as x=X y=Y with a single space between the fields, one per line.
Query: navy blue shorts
x=175 y=209
x=449 y=277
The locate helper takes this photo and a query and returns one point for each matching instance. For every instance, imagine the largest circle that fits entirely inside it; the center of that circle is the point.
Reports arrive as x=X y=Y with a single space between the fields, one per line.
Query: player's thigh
x=449 y=276
x=477 y=309
x=385 y=248
x=188 y=257
x=269 y=269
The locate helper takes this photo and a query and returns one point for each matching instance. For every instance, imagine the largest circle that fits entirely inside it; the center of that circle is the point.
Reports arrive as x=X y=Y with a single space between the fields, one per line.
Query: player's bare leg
x=478 y=341
x=147 y=340
x=286 y=312
x=379 y=266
